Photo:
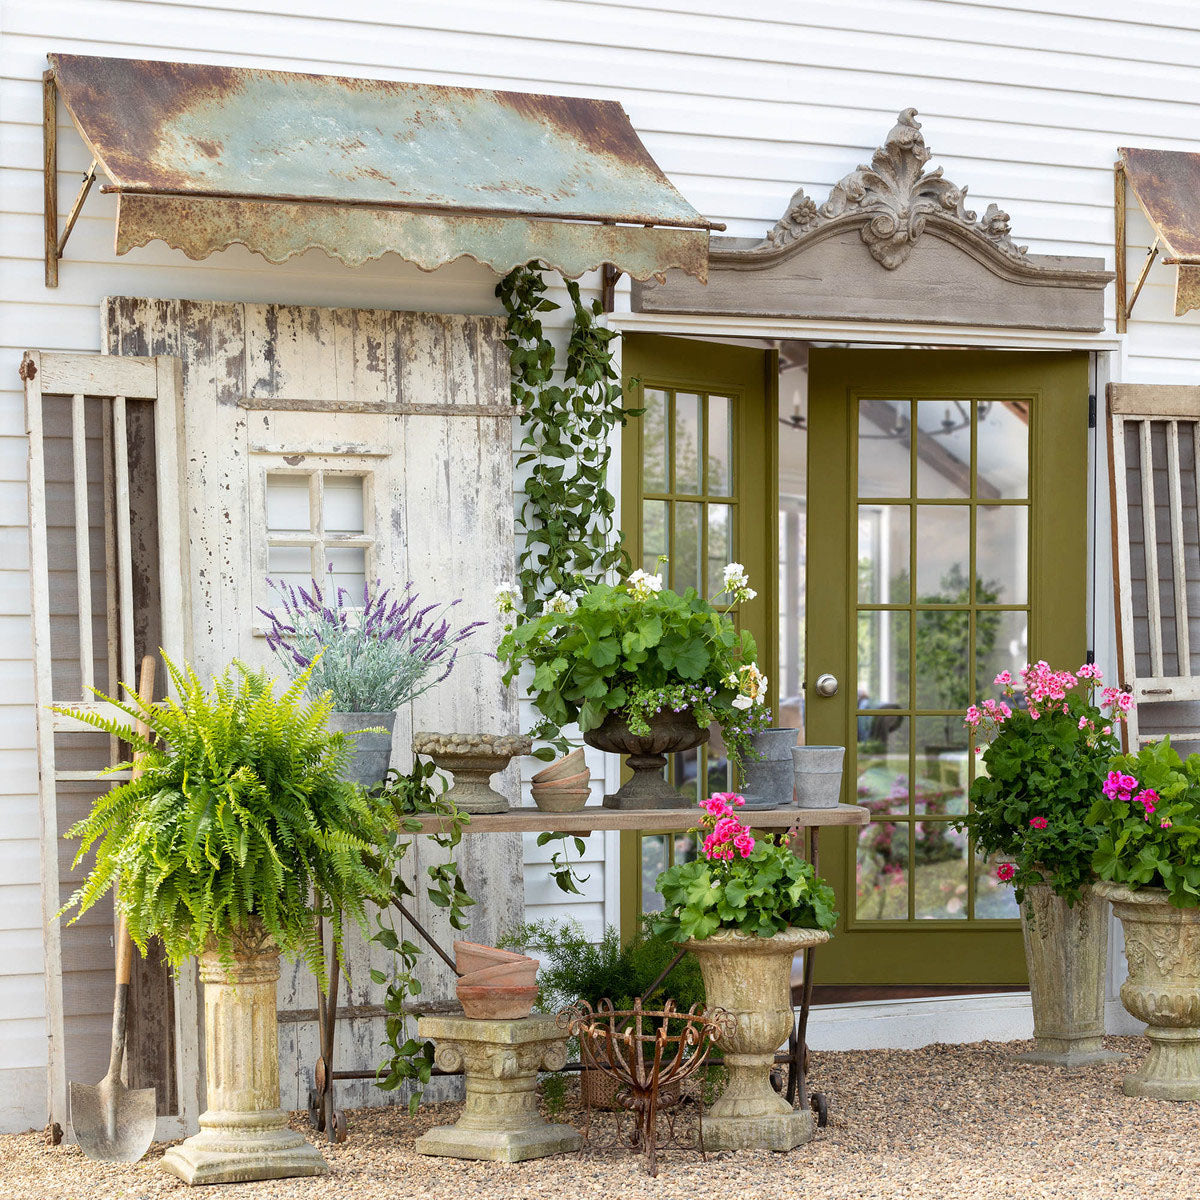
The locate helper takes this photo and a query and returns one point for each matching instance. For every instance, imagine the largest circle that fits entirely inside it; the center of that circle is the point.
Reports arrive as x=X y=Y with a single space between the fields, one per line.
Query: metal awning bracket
x=56 y=242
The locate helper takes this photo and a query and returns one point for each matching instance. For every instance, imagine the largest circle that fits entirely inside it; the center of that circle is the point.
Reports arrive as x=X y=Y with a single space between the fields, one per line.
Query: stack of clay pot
x=494 y=985
x=563 y=785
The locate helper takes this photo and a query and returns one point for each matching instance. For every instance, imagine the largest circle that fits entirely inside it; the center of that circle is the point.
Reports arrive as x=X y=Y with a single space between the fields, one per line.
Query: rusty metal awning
x=205 y=156
x=1166 y=184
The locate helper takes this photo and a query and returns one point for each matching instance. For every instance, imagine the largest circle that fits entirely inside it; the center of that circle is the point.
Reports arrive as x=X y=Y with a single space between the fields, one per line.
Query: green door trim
x=750 y=376
x=1057 y=383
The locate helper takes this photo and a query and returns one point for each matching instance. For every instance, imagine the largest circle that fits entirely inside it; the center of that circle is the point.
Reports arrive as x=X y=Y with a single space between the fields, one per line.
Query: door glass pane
x=939 y=872
x=1002 y=449
x=687 y=443
x=720 y=544
x=1002 y=553
x=654 y=534
x=943 y=449
x=654 y=862
x=943 y=553
x=942 y=755
x=943 y=649
x=883 y=760
x=1001 y=644
x=884 y=468
x=655 y=446
x=882 y=659
x=720 y=446
x=883 y=546
x=882 y=872
x=685 y=552
x=993 y=900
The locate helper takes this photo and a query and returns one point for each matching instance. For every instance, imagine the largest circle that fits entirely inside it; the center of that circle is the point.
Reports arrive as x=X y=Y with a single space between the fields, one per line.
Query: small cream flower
x=742 y=702
x=506 y=597
x=642 y=584
x=560 y=602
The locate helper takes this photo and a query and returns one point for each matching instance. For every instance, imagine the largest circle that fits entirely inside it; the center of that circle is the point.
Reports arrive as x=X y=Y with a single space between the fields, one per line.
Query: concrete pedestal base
x=1079 y=1055
x=781 y=1131
x=213 y=1156
x=1171 y=1071
x=500 y=1061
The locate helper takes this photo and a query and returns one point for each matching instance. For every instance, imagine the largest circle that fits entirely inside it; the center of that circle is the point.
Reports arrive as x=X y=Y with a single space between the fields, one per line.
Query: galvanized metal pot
x=1066 y=949
x=670 y=733
x=818 y=775
x=1162 y=947
x=372 y=750
x=769 y=780
x=751 y=979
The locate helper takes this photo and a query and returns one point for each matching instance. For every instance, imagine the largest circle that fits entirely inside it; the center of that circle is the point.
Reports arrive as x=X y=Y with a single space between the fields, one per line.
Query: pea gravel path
x=951 y=1122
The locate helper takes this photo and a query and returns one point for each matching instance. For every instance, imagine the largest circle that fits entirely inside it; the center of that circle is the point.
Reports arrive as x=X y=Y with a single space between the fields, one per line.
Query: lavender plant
x=370 y=658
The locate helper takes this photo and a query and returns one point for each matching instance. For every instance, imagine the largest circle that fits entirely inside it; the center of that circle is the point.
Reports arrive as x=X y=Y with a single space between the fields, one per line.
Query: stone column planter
x=1066 y=949
x=473 y=758
x=750 y=977
x=670 y=733
x=769 y=780
x=1162 y=947
x=244 y=1133
x=500 y=1061
x=372 y=751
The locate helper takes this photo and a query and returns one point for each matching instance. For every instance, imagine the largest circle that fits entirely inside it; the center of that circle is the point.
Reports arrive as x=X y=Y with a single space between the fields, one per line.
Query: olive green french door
x=698 y=490
x=947 y=518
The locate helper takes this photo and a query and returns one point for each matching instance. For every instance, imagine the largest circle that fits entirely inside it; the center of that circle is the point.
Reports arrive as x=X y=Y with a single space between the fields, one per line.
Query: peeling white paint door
x=378 y=443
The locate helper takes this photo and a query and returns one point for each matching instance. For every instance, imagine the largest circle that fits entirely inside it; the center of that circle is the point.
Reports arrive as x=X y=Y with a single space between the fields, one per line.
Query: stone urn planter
x=670 y=733
x=750 y=977
x=244 y=1134
x=818 y=775
x=769 y=780
x=472 y=758
x=372 y=747
x=1066 y=949
x=1162 y=947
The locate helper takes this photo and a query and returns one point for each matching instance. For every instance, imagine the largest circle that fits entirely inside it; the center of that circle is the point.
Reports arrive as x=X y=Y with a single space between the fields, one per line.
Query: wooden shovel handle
x=146 y=695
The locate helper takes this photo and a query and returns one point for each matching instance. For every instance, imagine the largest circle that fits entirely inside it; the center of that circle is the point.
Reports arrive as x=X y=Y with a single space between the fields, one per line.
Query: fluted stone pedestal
x=500 y=1061
x=244 y=1134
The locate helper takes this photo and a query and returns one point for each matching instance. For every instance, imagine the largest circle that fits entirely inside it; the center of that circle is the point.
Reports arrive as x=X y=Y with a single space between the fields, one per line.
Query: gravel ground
x=951 y=1122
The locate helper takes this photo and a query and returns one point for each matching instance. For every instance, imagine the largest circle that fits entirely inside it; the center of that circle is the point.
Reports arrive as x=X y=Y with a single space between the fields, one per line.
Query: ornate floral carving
x=897 y=196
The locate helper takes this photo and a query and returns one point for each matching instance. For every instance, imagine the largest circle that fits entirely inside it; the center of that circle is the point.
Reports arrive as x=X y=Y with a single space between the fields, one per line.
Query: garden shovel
x=112 y=1122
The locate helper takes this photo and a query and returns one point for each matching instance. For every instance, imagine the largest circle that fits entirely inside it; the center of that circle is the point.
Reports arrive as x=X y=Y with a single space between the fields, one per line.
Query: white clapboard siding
x=1023 y=100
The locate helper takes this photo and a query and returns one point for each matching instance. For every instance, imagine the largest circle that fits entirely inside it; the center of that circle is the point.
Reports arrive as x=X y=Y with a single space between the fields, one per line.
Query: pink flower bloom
x=715 y=806
x=1005 y=872
x=1004 y=679
x=1090 y=671
x=744 y=844
x=1038 y=822
x=973 y=717
x=1125 y=702
x=1106 y=729
x=1165 y=823
x=1084 y=723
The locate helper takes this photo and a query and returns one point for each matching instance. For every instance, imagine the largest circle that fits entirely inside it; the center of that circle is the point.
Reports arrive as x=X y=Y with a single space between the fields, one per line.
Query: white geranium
x=742 y=702
x=560 y=602
x=506 y=597
x=737 y=583
x=642 y=584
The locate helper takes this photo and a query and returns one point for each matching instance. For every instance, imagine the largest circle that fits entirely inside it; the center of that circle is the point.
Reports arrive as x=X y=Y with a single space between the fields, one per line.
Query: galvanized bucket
x=767 y=781
x=818 y=775
x=372 y=750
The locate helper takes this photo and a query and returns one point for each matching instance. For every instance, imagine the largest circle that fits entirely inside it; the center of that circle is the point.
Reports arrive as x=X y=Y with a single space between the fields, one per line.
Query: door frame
x=1107 y=364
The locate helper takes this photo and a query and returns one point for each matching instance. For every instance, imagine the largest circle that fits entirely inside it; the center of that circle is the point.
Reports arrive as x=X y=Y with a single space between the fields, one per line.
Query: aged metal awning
x=204 y=157
x=1166 y=184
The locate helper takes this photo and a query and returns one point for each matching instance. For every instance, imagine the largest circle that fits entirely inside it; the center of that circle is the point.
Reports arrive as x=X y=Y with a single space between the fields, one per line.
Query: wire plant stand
x=650 y=1054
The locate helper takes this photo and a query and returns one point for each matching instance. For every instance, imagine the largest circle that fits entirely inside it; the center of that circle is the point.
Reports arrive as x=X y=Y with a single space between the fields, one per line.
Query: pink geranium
x=1005 y=872
x=1038 y=822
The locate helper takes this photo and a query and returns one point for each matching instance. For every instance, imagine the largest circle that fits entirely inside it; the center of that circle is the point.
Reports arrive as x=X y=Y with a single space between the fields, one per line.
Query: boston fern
x=240 y=816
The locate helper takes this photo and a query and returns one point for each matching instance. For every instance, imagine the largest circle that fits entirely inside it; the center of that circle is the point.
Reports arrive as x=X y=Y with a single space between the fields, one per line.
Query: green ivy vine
x=569 y=536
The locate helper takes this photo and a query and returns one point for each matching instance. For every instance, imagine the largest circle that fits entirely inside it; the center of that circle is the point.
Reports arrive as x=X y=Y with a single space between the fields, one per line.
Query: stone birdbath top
x=473 y=758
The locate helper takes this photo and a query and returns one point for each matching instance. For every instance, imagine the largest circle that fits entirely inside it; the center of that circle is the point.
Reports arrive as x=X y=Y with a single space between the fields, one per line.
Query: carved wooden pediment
x=928 y=257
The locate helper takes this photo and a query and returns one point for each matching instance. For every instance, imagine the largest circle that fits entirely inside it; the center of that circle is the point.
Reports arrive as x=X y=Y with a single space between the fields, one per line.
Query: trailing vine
x=411 y=1061
x=566 y=520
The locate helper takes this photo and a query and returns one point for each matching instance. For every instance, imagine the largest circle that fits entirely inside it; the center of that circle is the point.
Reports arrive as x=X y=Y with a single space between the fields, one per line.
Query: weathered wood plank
x=1154 y=400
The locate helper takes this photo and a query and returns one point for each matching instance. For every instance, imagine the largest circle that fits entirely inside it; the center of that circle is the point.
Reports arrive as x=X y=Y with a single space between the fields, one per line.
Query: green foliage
x=554 y=1092
x=410 y=1061
x=768 y=891
x=1043 y=768
x=1152 y=840
x=241 y=815
x=576 y=968
x=566 y=515
x=633 y=649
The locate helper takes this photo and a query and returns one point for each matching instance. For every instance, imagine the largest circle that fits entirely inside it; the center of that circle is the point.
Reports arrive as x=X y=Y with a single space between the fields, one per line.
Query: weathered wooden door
x=378 y=443
x=947 y=541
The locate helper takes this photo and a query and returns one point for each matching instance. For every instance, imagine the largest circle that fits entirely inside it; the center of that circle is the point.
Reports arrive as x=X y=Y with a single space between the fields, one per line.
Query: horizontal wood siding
x=1024 y=101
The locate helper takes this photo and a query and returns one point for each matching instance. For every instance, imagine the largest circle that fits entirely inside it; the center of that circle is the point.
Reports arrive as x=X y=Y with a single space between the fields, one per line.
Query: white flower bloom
x=734 y=575
x=642 y=584
x=746 y=593
x=506 y=597
x=560 y=602
x=742 y=702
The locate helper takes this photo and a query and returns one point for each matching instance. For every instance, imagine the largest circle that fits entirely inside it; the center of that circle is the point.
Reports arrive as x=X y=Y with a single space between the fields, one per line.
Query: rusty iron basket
x=647 y=1054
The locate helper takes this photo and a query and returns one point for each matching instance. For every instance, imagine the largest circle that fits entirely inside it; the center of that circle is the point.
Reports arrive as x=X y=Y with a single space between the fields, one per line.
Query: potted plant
x=240 y=817
x=575 y=968
x=744 y=907
x=643 y=671
x=1045 y=759
x=1149 y=859
x=370 y=659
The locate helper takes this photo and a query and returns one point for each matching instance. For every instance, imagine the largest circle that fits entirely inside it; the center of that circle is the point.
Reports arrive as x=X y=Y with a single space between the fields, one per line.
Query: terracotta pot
x=474 y=956
x=560 y=800
x=508 y=974
x=570 y=764
x=1162 y=947
x=1066 y=949
x=372 y=751
x=670 y=733
x=496 y=1003
x=570 y=782
x=750 y=978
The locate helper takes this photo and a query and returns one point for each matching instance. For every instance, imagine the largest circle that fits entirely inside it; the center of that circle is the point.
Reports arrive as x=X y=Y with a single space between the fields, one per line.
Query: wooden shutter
x=108 y=583
x=1154 y=467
